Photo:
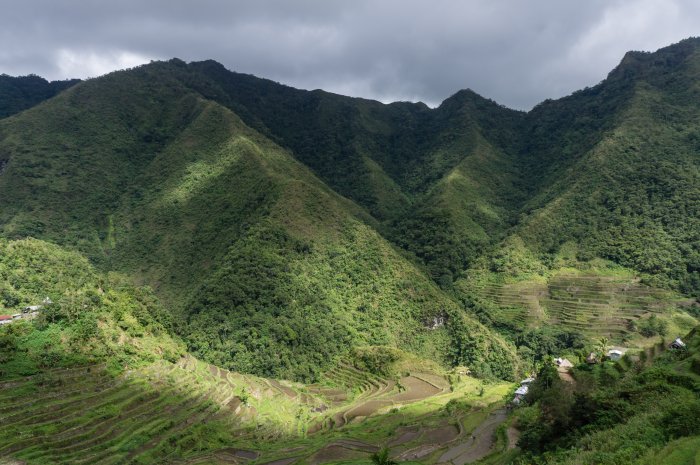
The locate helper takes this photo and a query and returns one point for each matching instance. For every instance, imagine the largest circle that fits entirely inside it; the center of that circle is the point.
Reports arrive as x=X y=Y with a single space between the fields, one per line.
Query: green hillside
x=19 y=93
x=234 y=270
x=637 y=411
x=274 y=221
x=259 y=261
x=95 y=377
x=441 y=181
x=621 y=180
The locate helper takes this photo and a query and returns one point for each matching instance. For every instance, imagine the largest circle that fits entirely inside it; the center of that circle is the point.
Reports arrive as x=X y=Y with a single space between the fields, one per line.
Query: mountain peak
x=636 y=64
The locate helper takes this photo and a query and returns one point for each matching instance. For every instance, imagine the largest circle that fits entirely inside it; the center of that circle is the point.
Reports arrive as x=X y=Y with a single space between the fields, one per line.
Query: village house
x=520 y=394
x=5 y=319
x=677 y=344
x=522 y=391
x=563 y=363
x=592 y=358
x=614 y=354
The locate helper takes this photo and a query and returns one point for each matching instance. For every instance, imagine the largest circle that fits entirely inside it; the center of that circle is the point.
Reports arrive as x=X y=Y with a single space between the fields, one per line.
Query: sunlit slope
x=95 y=377
x=264 y=268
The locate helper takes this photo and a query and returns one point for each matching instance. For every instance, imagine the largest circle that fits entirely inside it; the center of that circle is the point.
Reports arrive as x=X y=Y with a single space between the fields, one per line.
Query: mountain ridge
x=199 y=181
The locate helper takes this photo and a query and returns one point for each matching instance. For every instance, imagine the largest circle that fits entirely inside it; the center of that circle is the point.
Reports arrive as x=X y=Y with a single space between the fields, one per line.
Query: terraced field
x=594 y=305
x=86 y=415
x=372 y=394
x=421 y=430
x=155 y=414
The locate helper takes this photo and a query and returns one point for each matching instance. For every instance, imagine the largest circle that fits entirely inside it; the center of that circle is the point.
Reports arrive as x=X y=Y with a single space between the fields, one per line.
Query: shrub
x=652 y=326
x=682 y=419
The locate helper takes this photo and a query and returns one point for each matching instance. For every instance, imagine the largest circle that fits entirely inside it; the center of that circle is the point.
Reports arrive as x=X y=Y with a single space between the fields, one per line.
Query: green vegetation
x=179 y=210
x=619 y=170
x=19 y=93
x=95 y=376
x=91 y=318
x=630 y=412
x=382 y=458
x=260 y=263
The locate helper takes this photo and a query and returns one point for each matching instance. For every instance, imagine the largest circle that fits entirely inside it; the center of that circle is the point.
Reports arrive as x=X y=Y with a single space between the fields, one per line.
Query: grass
x=684 y=451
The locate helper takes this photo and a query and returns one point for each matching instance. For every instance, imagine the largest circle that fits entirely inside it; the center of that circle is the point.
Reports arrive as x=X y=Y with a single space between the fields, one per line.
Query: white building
x=678 y=344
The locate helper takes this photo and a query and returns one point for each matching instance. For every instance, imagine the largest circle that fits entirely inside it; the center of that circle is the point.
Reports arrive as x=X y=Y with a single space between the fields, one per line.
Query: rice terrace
x=350 y=233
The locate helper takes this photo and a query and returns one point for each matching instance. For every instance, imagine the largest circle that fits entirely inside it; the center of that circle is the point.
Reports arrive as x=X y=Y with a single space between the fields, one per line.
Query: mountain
x=274 y=222
x=620 y=178
x=230 y=269
x=19 y=93
x=265 y=268
x=452 y=165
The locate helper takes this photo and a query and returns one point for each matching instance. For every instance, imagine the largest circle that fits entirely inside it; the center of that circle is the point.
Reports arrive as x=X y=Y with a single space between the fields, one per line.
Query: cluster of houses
x=563 y=365
x=28 y=312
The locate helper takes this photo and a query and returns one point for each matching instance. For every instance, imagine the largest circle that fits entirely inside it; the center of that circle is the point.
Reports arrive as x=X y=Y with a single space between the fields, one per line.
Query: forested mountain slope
x=20 y=93
x=620 y=178
x=441 y=182
x=264 y=267
x=283 y=227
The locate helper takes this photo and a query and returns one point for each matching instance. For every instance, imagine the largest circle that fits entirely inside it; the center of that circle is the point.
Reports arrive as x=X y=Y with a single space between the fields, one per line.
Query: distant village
x=29 y=312
x=564 y=366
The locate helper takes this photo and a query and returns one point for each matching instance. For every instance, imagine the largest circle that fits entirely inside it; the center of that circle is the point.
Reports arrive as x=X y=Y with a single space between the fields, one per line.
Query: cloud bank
x=517 y=53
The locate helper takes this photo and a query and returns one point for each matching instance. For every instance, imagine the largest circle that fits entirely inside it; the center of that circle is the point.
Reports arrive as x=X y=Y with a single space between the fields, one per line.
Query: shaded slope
x=22 y=92
x=400 y=161
x=629 y=194
x=68 y=163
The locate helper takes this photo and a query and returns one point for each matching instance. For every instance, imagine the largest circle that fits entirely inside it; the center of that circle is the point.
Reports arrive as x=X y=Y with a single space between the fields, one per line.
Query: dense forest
x=273 y=222
x=20 y=93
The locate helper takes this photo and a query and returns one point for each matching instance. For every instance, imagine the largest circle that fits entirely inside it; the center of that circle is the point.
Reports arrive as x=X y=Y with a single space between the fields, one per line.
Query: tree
x=603 y=346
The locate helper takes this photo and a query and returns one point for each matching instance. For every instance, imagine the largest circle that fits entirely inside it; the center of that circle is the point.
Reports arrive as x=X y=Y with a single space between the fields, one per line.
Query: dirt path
x=478 y=444
x=513 y=437
x=564 y=375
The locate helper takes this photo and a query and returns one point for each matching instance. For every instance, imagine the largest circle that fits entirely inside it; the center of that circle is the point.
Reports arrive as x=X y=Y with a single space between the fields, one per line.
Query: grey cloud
x=516 y=52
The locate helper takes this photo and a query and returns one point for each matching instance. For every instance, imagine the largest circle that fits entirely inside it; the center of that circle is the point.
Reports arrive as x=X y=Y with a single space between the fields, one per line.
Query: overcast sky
x=516 y=52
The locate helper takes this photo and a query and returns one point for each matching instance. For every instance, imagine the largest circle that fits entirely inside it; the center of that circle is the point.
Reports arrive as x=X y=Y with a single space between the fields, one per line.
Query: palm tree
x=603 y=346
x=382 y=458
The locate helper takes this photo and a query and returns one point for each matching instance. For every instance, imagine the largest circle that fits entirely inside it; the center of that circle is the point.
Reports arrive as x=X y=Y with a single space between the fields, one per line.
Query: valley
x=232 y=270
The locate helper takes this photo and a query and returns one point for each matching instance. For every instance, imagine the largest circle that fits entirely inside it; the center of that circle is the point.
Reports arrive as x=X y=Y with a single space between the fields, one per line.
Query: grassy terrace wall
x=593 y=304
